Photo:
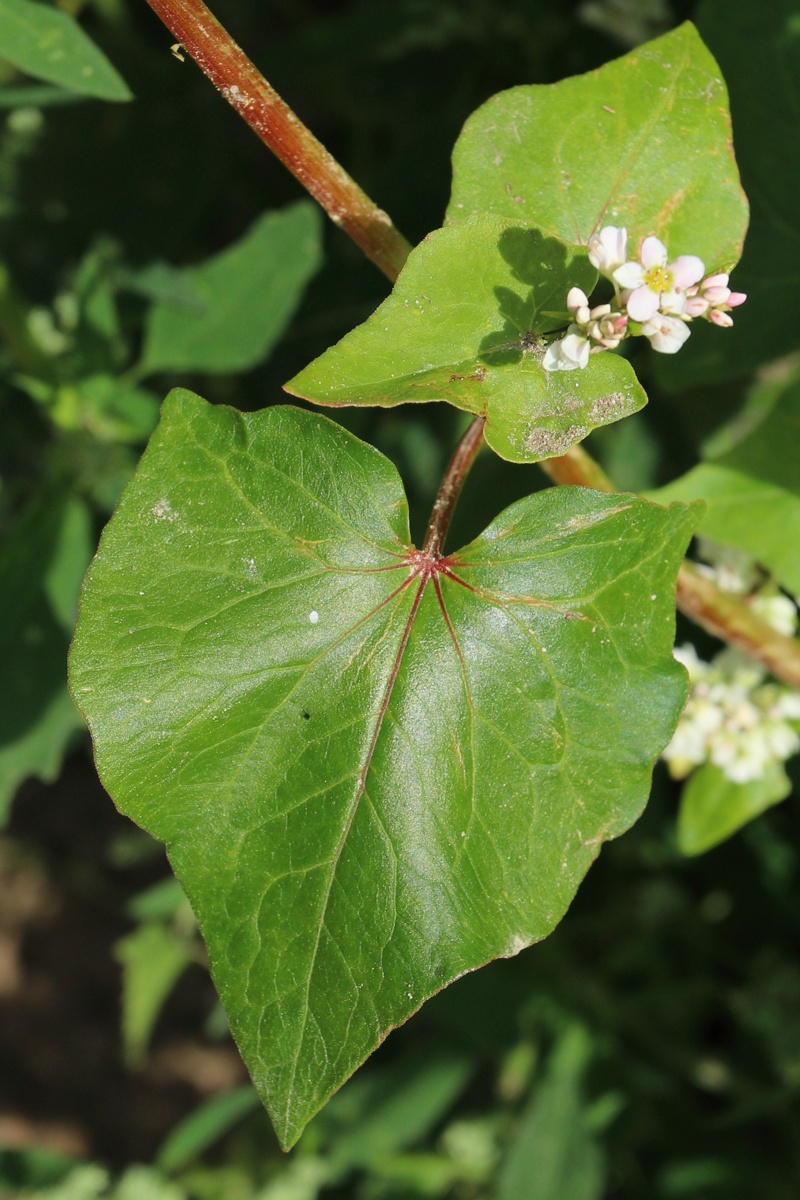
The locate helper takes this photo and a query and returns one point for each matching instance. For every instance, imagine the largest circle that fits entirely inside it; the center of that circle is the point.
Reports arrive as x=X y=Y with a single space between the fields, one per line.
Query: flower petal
x=736 y=298
x=686 y=270
x=576 y=298
x=654 y=254
x=666 y=334
x=629 y=275
x=643 y=304
x=674 y=302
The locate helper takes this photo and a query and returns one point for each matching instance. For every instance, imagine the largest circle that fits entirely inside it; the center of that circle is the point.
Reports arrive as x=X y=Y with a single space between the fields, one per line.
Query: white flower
x=654 y=284
x=666 y=334
x=568 y=353
x=608 y=249
x=733 y=718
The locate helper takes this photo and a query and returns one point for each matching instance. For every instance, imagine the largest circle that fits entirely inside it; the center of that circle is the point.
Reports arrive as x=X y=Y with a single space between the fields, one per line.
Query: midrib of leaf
x=358 y=793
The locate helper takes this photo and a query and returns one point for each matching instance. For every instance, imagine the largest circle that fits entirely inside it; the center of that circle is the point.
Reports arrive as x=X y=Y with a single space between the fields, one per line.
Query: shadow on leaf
x=548 y=268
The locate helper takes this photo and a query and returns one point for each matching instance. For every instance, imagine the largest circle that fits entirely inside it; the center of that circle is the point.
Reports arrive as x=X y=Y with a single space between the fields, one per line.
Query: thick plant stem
x=245 y=88
x=453 y=480
x=697 y=597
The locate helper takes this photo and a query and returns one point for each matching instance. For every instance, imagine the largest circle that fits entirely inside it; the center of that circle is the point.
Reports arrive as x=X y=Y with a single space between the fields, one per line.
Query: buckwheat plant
x=378 y=765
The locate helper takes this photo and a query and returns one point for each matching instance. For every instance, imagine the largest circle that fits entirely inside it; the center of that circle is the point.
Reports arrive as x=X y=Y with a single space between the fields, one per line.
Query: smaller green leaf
x=757 y=517
x=153 y=959
x=554 y=1157
x=242 y=299
x=464 y=325
x=642 y=142
x=713 y=807
x=44 y=42
x=206 y=1125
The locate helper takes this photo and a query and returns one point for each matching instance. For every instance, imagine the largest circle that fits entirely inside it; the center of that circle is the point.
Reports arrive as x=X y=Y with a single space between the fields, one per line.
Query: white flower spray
x=736 y=717
x=652 y=296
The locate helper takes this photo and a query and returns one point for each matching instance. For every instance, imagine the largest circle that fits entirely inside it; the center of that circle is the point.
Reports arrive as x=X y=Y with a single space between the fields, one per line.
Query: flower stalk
x=244 y=87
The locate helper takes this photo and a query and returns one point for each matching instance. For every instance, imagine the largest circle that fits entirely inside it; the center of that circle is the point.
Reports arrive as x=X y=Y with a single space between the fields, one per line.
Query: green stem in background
x=697 y=597
x=245 y=88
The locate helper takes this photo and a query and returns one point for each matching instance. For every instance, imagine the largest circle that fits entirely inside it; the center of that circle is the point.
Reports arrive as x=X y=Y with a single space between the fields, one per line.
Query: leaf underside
x=370 y=780
x=465 y=324
x=644 y=142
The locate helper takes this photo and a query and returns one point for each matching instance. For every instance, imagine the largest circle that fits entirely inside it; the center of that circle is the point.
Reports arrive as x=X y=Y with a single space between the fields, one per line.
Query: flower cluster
x=736 y=718
x=659 y=296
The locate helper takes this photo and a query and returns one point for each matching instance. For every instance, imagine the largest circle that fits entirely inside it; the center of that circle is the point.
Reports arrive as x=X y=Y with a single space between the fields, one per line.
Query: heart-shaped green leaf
x=464 y=324
x=374 y=770
x=643 y=142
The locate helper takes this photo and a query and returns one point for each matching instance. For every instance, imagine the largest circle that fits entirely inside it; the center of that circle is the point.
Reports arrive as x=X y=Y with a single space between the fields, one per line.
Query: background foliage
x=652 y=1044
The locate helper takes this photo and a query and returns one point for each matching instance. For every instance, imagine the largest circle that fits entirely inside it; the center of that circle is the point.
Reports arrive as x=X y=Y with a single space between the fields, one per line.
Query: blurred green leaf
x=258 y=652
x=771 y=450
x=553 y=1156
x=463 y=325
x=42 y=560
x=205 y=1126
x=713 y=807
x=153 y=959
x=159 y=902
x=410 y=1104
x=247 y=296
x=46 y=43
x=33 y=96
x=756 y=517
x=642 y=142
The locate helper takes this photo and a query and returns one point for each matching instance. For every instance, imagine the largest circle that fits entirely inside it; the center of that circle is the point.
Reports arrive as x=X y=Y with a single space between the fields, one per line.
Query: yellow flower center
x=658 y=279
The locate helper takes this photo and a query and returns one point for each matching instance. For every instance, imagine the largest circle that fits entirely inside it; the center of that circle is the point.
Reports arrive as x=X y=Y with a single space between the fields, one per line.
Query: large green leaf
x=463 y=325
x=372 y=773
x=240 y=301
x=642 y=142
x=44 y=42
x=758 y=48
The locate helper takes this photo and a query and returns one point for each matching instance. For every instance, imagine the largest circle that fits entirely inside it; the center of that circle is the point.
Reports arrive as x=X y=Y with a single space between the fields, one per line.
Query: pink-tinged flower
x=608 y=249
x=713 y=299
x=654 y=284
x=568 y=353
x=666 y=334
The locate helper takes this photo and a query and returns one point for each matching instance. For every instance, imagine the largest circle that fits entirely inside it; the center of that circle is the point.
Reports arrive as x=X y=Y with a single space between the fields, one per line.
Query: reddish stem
x=450 y=488
x=245 y=88
x=697 y=597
